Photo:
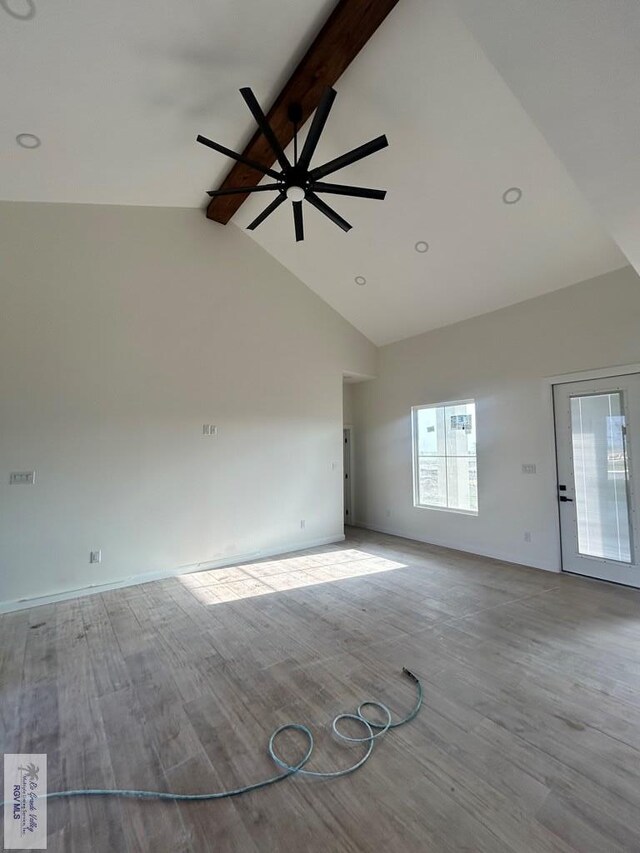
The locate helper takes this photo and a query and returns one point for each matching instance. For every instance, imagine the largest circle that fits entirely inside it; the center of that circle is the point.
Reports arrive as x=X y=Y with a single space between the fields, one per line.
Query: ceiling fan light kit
x=298 y=182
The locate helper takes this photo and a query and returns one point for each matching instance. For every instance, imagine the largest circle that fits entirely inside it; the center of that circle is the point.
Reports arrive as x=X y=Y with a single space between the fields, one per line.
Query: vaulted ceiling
x=118 y=92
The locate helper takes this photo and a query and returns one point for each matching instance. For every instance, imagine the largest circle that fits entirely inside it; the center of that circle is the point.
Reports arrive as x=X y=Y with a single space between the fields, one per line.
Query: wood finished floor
x=529 y=738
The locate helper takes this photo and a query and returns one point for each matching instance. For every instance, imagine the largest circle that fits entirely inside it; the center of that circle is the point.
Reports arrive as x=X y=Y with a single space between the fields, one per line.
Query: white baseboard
x=65 y=595
x=503 y=557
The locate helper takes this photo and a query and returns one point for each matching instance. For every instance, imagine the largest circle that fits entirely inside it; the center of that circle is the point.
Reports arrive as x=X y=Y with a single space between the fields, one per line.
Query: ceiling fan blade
x=234 y=190
x=264 y=126
x=297 y=219
x=313 y=199
x=341 y=189
x=266 y=212
x=317 y=126
x=239 y=157
x=350 y=157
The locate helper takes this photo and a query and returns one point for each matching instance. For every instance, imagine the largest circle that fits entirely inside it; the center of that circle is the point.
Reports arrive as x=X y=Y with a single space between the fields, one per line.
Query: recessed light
x=512 y=195
x=28 y=140
x=23 y=10
x=360 y=279
x=421 y=246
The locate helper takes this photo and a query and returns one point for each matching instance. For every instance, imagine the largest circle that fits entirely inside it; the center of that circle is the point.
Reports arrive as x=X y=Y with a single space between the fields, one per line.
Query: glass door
x=595 y=438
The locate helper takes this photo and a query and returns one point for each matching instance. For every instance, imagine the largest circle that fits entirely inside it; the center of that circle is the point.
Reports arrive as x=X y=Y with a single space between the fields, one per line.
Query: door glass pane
x=600 y=475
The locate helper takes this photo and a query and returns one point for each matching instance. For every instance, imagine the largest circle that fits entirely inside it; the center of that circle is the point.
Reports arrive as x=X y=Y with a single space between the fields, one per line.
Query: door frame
x=349 y=428
x=563 y=379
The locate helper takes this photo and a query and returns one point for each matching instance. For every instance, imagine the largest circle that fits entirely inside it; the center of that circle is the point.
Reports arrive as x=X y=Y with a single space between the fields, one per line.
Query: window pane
x=460 y=422
x=431 y=437
x=432 y=480
x=462 y=483
x=600 y=475
x=445 y=447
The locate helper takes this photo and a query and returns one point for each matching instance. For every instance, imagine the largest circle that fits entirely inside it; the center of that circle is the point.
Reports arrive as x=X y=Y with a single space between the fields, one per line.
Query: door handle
x=565 y=499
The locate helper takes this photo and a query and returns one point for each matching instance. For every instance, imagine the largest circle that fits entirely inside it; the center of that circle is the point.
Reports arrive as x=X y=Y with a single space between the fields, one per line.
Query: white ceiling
x=576 y=69
x=118 y=91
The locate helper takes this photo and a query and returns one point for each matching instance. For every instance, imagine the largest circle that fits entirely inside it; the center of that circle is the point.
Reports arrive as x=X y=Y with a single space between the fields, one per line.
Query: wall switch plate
x=209 y=429
x=527 y=536
x=22 y=478
x=95 y=556
x=529 y=468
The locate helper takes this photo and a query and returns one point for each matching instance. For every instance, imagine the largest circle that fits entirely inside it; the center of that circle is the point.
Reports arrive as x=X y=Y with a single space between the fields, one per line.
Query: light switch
x=529 y=468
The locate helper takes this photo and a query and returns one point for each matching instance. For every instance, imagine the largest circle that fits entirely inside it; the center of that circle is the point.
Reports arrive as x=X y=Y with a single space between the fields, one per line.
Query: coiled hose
x=368 y=738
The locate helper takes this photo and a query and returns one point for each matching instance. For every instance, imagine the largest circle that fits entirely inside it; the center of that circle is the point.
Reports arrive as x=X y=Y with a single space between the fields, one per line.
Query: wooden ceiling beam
x=346 y=31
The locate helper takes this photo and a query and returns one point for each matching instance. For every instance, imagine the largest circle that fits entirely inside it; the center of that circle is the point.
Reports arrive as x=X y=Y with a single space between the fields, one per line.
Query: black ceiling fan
x=297 y=181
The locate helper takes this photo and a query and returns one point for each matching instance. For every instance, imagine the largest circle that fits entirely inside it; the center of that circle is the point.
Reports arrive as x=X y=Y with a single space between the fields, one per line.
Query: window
x=444 y=456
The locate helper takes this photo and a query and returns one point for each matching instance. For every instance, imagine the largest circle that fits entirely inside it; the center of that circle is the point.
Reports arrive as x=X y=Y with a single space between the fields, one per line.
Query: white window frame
x=415 y=457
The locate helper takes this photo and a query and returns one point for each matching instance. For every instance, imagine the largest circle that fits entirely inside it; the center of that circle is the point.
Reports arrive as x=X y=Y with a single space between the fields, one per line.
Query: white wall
x=122 y=331
x=500 y=359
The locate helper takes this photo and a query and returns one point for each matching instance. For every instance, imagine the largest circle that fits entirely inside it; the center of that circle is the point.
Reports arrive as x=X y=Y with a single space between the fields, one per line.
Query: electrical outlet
x=527 y=536
x=95 y=556
x=22 y=478
x=303 y=524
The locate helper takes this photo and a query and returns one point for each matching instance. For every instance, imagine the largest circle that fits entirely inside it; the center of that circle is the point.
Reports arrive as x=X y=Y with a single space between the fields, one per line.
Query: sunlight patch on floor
x=217 y=586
